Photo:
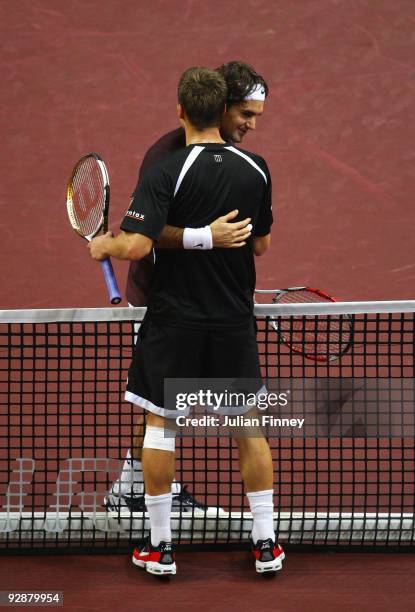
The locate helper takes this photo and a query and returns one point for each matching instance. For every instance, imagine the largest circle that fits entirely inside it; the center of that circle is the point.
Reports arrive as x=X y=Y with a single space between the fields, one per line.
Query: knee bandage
x=160 y=438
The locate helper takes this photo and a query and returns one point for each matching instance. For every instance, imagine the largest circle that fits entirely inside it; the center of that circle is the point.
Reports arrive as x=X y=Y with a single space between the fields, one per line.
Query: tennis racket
x=320 y=338
x=87 y=202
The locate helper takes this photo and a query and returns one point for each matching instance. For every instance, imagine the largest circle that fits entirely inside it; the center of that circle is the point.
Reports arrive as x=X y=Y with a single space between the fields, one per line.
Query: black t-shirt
x=140 y=273
x=191 y=188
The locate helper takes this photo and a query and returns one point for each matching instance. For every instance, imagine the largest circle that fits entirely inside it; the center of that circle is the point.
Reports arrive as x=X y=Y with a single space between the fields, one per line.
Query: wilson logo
x=218 y=158
x=131 y=214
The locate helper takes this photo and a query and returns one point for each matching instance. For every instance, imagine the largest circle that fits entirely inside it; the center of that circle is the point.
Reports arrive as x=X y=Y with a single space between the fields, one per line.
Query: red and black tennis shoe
x=268 y=555
x=158 y=560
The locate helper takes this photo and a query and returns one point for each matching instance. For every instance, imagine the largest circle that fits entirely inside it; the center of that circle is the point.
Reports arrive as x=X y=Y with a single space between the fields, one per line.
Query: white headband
x=256 y=93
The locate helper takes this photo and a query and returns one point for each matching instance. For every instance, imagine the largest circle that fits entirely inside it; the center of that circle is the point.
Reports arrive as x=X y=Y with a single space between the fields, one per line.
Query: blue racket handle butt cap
x=111 y=281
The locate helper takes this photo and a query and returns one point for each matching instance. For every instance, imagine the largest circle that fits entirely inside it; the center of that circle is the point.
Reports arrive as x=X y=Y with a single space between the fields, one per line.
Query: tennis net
x=65 y=428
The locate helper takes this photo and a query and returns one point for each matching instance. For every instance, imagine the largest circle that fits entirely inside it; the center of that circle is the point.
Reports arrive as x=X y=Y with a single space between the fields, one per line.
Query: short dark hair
x=202 y=94
x=240 y=79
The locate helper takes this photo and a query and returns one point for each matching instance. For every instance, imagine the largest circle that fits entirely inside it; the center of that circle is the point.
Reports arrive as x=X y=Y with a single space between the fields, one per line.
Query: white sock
x=176 y=487
x=131 y=479
x=262 y=508
x=159 y=508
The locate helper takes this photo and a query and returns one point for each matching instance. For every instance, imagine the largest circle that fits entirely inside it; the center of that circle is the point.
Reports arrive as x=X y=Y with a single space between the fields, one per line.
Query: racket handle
x=111 y=281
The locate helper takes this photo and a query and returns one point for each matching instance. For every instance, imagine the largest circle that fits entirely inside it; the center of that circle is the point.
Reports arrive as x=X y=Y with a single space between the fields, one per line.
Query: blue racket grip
x=113 y=291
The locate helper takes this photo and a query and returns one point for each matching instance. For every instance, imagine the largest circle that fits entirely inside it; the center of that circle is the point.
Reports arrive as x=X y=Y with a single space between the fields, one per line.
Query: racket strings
x=303 y=296
x=88 y=196
x=316 y=336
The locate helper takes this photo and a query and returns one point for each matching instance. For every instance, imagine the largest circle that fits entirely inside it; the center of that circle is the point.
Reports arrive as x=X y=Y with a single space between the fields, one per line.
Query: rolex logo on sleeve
x=131 y=214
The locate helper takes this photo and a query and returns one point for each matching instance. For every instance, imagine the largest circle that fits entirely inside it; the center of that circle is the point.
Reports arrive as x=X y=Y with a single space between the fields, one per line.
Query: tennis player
x=243 y=108
x=202 y=299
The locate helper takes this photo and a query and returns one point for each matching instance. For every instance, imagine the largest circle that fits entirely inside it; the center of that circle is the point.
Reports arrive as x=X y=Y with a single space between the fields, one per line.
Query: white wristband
x=198 y=238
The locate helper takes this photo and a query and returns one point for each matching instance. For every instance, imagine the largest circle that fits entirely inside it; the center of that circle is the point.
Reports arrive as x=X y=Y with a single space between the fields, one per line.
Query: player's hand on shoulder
x=230 y=235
